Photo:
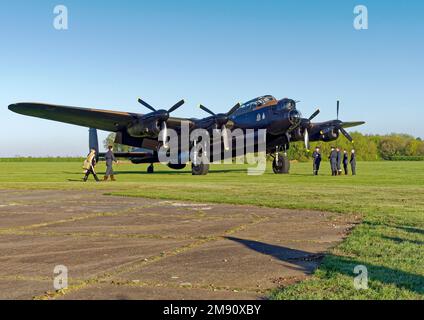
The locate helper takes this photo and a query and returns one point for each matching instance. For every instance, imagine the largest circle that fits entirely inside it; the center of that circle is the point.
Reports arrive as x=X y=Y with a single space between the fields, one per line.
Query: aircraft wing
x=92 y=118
x=352 y=124
x=106 y=120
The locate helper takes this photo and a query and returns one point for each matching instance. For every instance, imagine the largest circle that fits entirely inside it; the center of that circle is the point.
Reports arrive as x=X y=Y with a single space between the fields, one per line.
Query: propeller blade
x=176 y=106
x=206 y=110
x=225 y=140
x=306 y=137
x=233 y=109
x=164 y=134
x=347 y=135
x=314 y=114
x=148 y=106
x=338 y=109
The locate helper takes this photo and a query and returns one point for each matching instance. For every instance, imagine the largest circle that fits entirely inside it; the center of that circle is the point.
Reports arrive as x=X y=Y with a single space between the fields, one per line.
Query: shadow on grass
x=177 y=172
x=411 y=229
x=400 y=240
x=403 y=228
x=336 y=264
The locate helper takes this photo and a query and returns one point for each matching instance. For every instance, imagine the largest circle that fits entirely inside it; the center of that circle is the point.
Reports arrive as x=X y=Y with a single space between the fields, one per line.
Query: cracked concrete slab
x=135 y=248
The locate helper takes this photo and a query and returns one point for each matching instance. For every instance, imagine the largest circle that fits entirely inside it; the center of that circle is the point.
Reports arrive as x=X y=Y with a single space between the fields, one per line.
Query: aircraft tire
x=282 y=167
x=199 y=170
x=150 y=169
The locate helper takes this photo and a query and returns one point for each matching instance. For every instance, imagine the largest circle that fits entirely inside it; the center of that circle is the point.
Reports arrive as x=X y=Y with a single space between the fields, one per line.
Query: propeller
x=314 y=115
x=338 y=109
x=162 y=116
x=307 y=124
x=221 y=120
x=336 y=124
x=346 y=134
x=306 y=138
x=340 y=125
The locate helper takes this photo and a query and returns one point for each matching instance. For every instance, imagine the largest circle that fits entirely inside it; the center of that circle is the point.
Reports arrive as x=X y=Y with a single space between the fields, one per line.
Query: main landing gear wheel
x=150 y=169
x=200 y=169
x=281 y=165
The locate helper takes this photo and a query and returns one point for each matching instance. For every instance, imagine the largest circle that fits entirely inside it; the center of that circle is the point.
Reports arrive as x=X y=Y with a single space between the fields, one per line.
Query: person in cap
x=345 y=162
x=316 y=156
x=339 y=161
x=110 y=159
x=353 y=162
x=333 y=161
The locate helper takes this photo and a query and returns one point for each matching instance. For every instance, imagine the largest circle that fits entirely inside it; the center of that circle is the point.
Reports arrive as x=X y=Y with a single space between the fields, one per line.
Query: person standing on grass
x=353 y=162
x=89 y=165
x=316 y=156
x=345 y=162
x=333 y=161
x=339 y=161
x=110 y=159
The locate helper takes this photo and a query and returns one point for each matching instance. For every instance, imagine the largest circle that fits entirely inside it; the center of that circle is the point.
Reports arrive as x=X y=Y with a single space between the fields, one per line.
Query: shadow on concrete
x=305 y=261
x=337 y=264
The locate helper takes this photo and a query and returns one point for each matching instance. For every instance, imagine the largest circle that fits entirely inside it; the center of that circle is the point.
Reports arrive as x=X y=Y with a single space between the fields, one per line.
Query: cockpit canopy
x=256 y=103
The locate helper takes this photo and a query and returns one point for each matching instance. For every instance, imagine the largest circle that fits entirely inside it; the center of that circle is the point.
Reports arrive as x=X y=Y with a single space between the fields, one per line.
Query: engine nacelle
x=329 y=134
x=145 y=128
x=297 y=134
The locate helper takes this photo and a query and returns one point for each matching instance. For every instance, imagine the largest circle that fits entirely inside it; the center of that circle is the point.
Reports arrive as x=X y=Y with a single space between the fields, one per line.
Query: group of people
x=91 y=161
x=336 y=159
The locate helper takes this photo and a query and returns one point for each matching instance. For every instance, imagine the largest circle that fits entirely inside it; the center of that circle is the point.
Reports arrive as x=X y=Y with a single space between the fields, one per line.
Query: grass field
x=388 y=197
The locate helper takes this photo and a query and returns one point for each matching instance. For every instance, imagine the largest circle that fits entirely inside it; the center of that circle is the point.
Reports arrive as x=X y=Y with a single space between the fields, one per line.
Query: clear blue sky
x=211 y=52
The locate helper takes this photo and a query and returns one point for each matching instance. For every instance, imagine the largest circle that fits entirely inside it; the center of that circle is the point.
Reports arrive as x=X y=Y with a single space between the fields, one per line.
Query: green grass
x=388 y=196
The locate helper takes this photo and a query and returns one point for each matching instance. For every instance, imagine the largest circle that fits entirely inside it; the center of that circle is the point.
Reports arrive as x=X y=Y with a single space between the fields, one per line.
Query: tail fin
x=93 y=141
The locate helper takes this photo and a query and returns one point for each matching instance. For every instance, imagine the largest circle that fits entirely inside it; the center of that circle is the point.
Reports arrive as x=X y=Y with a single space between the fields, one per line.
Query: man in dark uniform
x=110 y=159
x=339 y=161
x=353 y=162
x=316 y=156
x=345 y=162
x=333 y=161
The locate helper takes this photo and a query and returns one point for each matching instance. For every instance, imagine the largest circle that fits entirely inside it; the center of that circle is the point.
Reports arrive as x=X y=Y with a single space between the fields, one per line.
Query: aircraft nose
x=294 y=116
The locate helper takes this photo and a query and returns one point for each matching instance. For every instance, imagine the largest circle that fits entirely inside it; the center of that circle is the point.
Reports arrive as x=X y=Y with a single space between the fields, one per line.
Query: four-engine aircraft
x=147 y=133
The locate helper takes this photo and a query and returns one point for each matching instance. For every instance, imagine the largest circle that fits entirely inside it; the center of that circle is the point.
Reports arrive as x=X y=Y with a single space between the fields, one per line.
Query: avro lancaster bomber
x=147 y=133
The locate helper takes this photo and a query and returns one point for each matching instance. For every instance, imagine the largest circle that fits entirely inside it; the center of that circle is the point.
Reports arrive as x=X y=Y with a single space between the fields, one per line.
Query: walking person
x=89 y=165
x=339 y=161
x=333 y=161
x=345 y=162
x=316 y=156
x=353 y=162
x=110 y=159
